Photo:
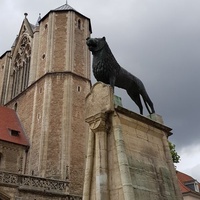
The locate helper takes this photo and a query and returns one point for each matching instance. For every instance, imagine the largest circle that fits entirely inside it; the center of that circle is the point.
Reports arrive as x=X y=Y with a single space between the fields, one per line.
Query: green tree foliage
x=175 y=156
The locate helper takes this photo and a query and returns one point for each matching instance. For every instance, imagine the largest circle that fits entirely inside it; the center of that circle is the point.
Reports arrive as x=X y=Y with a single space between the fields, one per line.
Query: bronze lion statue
x=107 y=70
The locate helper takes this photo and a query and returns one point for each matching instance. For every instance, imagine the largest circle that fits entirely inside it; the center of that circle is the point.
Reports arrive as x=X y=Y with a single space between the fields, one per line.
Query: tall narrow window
x=15 y=107
x=79 y=24
x=21 y=67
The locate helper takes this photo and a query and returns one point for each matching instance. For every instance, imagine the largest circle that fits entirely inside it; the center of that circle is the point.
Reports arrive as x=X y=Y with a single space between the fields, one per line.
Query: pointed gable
x=21 y=59
x=11 y=129
x=27 y=28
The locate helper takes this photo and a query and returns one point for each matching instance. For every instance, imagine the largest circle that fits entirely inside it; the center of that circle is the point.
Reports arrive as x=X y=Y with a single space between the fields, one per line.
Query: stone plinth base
x=128 y=156
x=156 y=117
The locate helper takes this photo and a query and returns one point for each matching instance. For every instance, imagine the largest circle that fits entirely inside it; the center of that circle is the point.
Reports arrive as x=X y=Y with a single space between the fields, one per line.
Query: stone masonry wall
x=128 y=156
x=52 y=108
x=54 y=138
x=12 y=157
x=43 y=48
x=29 y=110
x=79 y=128
x=53 y=122
x=60 y=42
x=115 y=185
x=4 y=70
x=80 y=47
x=150 y=174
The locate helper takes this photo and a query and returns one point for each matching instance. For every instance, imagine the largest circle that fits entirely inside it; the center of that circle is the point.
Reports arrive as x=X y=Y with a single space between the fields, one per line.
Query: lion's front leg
x=112 y=80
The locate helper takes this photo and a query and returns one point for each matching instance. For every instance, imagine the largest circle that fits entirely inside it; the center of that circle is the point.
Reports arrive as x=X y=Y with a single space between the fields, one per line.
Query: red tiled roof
x=183 y=187
x=10 y=121
x=184 y=177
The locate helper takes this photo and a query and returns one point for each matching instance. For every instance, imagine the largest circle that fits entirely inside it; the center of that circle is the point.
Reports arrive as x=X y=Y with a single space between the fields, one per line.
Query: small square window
x=14 y=133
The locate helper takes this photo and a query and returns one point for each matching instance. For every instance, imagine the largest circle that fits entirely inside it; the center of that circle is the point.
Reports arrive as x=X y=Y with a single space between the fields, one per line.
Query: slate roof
x=9 y=122
x=65 y=7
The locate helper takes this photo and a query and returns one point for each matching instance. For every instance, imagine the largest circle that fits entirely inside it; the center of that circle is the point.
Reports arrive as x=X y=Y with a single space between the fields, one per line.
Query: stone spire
x=38 y=20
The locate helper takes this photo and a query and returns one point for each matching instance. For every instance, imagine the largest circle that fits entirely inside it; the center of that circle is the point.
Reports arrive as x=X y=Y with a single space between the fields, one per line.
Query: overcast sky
x=157 y=41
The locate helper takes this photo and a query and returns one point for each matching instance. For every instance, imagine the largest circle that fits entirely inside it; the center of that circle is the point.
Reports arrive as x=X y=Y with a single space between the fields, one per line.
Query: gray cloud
x=167 y=59
x=159 y=44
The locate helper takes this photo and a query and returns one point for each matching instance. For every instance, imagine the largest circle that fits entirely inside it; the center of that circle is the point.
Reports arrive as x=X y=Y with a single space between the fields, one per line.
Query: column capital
x=97 y=122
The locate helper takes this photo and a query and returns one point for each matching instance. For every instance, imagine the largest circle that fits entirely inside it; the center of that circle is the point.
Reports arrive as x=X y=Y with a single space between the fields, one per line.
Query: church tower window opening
x=21 y=67
x=15 y=107
x=79 y=24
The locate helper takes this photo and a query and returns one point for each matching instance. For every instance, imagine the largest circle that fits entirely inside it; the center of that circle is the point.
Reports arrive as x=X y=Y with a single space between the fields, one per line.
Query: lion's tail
x=148 y=103
x=147 y=106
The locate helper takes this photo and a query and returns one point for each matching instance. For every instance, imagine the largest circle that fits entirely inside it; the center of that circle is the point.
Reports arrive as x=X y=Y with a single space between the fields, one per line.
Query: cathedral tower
x=45 y=78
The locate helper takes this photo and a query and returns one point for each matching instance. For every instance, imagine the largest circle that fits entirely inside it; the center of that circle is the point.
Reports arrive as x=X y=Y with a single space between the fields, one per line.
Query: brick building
x=44 y=80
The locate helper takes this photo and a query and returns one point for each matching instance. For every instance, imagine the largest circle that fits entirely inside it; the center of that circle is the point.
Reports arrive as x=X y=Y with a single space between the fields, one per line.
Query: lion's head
x=95 y=44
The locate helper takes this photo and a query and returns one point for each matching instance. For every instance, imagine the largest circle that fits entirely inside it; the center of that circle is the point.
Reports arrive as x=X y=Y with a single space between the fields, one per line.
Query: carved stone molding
x=36 y=184
x=69 y=197
x=8 y=178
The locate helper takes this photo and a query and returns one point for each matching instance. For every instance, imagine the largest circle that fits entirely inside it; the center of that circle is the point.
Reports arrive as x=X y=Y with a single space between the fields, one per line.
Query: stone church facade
x=45 y=78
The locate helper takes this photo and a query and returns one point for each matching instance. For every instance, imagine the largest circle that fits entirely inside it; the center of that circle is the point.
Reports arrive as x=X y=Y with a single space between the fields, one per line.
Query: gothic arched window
x=21 y=67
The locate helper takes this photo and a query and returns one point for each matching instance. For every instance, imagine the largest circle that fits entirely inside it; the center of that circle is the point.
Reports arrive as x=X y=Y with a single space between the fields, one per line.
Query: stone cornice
x=144 y=119
x=47 y=75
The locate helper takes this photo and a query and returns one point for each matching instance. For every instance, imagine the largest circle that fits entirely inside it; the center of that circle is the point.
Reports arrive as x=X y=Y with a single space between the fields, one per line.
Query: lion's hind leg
x=136 y=98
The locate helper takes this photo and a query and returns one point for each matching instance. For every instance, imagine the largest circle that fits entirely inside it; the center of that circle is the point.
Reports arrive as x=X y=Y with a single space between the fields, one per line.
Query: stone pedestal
x=128 y=156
